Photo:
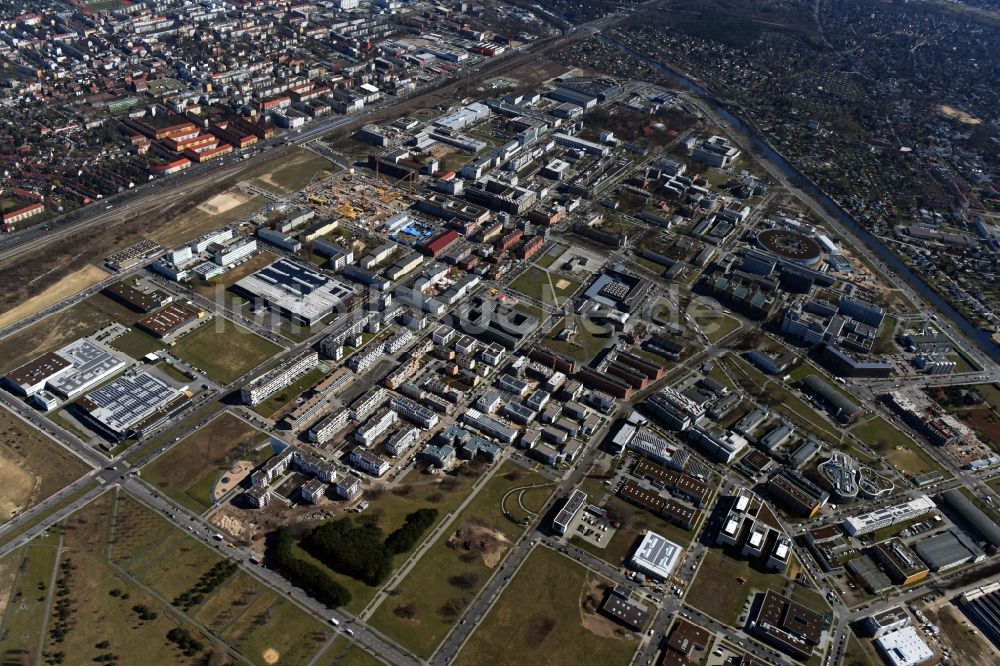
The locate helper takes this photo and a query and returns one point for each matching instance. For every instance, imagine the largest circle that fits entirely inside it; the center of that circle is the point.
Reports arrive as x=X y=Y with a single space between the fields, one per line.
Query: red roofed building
x=437 y=245
x=21 y=214
x=530 y=248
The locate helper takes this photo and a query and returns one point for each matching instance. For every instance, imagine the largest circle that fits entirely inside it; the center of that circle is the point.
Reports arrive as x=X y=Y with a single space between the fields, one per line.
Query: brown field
x=32 y=466
x=71 y=284
x=984 y=421
x=223 y=208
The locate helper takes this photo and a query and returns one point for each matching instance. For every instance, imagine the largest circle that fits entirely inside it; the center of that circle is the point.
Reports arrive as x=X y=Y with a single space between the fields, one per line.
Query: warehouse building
x=982 y=606
x=172 y=322
x=903 y=647
x=298 y=292
x=131 y=405
x=973 y=515
x=948 y=550
x=82 y=364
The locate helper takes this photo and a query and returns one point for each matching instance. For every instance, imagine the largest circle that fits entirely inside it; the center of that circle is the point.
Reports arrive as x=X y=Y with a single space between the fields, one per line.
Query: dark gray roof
x=948 y=549
x=973 y=515
x=831 y=395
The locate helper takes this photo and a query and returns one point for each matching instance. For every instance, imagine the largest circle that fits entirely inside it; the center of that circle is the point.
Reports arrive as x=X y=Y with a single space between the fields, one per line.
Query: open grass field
x=389 y=510
x=584 y=345
x=224 y=350
x=25 y=578
x=896 y=447
x=96 y=615
x=71 y=284
x=297 y=170
x=32 y=466
x=212 y=213
x=449 y=575
x=717 y=589
x=716 y=326
x=189 y=470
x=543 y=286
x=137 y=344
x=60 y=329
x=252 y=618
x=546 y=615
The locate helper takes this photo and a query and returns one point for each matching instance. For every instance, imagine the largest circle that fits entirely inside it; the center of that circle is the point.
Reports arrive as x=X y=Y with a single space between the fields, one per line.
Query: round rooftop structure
x=840 y=474
x=790 y=245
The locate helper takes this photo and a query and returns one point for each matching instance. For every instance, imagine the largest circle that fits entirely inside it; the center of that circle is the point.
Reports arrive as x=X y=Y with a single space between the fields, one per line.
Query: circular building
x=872 y=485
x=840 y=475
x=790 y=245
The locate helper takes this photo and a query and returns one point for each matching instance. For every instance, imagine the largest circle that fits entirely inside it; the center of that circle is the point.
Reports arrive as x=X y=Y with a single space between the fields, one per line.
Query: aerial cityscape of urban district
x=562 y=332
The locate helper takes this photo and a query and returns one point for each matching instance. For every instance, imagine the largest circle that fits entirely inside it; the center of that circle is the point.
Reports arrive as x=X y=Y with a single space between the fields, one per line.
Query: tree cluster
x=305 y=575
x=407 y=536
x=207 y=583
x=183 y=639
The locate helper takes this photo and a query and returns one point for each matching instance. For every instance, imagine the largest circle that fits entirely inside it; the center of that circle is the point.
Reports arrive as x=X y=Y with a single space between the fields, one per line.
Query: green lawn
x=546 y=615
x=546 y=260
x=246 y=614
x=137 y=344
x=224 y=350
x=342 y=652
x=188 y=471
x=717 y=589
x=61 y=328
x=102 y=601
x=431 y=597
x=296 y=170
x=584 y=345
x=717 y=326
x=542 y=286
x=895 y=447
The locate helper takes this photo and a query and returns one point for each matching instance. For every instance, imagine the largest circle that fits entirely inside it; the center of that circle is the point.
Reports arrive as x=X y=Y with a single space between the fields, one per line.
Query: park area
x=223 y=350
x=388 y=510
x=142 y=590
x=188 y=472
x=434 y=594
x=547 y=615
x=32 y=466
x=895 y=448
x=542 y=286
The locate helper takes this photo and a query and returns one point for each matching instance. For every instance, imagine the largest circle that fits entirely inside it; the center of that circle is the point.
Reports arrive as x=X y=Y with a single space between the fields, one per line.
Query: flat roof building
x=621 y=607
x=569 y=511
x=301 y=293
x=788 y=626
x=130 y=404
x=890 y=515
x=172 y=321
x=656 y=556
x=903 y=647
x=949 y=549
